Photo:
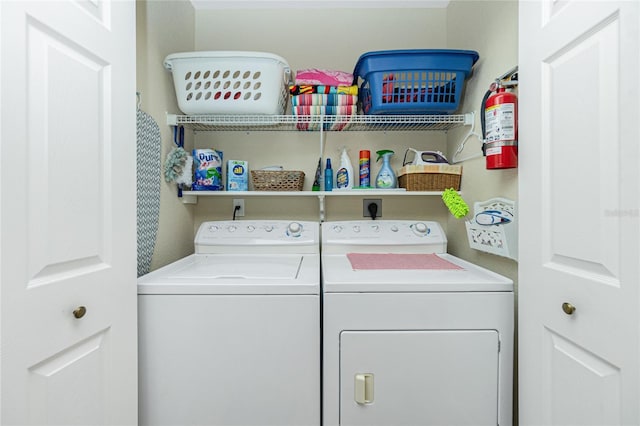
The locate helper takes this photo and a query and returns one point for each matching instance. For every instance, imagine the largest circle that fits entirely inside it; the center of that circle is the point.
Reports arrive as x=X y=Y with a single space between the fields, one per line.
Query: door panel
x=419 y=377
x=83 y=366
x=68 y=88
x=579 y=228
x=67 y=75
x=581 y=80
x=584 y=388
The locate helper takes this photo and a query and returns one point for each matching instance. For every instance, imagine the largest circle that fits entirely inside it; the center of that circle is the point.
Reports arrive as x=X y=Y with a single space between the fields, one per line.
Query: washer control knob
x=420 y=229
x=375 y=228
x=394 y=228
x=337 y=229
x=268 y=228
x=251 y=228
x=356 y=228
x=214 y=228
x=294 y=229
x=232 y=228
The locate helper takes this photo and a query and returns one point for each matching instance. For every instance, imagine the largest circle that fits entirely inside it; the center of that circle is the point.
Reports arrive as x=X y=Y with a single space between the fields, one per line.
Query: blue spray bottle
x=386 y=177
x=328 y=176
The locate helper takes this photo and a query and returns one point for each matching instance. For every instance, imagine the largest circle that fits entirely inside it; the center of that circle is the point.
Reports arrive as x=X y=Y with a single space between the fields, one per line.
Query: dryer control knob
x=232 y=228
x=251 y=228
x=356 y=228
x=294 y=229
x=337 y=229
x=420 y=229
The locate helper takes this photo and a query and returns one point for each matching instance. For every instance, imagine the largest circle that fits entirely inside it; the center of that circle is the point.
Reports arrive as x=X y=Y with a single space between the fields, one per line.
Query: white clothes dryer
x=412 y=335
x=231 y=334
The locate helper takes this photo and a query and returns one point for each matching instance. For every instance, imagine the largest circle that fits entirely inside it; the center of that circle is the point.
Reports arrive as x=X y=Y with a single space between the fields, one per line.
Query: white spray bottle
x=344 y=176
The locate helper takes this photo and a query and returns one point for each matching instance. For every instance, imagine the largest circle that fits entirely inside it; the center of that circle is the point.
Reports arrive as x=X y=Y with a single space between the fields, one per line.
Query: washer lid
x=340 y=276
x=235 y=274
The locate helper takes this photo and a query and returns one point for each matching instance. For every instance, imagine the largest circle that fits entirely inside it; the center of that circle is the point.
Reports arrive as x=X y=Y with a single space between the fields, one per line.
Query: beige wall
x=165 y=27
x=305 y=39
x=491 y=29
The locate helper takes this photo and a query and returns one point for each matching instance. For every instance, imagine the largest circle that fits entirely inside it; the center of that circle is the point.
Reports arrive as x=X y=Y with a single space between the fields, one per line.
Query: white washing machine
x=231 y=334
x=412 y=335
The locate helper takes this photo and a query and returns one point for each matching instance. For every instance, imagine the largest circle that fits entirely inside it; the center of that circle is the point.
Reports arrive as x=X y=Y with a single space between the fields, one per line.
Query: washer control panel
x=256 y=233
x=376 y=233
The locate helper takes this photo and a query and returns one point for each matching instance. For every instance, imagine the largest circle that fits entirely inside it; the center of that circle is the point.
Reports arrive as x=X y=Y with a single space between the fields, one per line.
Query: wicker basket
x=285 y=180
x=436 y=177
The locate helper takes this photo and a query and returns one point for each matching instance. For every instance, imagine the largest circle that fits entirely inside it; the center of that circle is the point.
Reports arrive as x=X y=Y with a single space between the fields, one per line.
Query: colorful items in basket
x=394 y=91
x=322 y=100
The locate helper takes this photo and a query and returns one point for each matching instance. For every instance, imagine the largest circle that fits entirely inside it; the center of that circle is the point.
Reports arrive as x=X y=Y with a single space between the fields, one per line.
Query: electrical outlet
x=365 y=207
x=238 y=202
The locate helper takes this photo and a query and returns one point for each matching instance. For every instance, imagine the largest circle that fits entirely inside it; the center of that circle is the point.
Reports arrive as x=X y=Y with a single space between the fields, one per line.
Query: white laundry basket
x=229 y=82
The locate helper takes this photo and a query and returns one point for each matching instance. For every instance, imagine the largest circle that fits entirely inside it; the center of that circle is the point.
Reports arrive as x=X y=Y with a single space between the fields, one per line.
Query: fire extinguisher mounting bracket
x=469 y=119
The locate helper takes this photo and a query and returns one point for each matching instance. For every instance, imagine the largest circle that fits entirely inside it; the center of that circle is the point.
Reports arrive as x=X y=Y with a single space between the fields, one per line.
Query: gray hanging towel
x=148 y=188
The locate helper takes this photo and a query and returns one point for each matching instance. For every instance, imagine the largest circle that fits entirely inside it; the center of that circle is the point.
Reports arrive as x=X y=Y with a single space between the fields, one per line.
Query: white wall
x=165 y=27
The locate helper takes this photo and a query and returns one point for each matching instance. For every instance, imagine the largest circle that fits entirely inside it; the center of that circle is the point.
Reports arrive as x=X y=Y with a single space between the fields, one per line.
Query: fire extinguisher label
x=497 y=150
x=500 y=122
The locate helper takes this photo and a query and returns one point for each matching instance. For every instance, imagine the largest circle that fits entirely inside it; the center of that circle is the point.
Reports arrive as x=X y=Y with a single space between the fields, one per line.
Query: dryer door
x=424 y=377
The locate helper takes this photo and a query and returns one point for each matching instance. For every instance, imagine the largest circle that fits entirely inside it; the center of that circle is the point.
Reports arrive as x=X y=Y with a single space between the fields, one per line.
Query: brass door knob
x=568 y=308
x=79 y=311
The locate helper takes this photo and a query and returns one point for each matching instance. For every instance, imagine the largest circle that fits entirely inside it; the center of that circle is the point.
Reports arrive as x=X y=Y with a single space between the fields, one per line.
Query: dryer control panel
x=383 y=235
x=257 y=236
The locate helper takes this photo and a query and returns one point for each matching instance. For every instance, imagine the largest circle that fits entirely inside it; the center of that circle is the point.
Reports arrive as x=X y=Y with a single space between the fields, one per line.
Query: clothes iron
x=424 y=157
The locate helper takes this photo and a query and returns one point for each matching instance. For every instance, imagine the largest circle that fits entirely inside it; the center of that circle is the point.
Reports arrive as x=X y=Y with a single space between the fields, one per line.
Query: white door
x=426 y=377
x=67 y=218
x=579 y=213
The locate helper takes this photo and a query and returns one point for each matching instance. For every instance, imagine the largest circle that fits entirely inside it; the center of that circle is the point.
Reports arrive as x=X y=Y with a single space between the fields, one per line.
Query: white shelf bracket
x=189 y=199
x=172 y=119
x=321 y=207
x=469 y=120
x=322 y=136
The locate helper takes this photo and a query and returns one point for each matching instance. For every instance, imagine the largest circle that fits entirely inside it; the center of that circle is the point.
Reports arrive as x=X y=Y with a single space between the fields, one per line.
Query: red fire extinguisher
x=500 y=128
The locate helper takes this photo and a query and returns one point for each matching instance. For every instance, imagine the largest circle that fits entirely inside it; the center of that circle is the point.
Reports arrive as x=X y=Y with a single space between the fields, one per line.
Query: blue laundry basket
x=419 y=81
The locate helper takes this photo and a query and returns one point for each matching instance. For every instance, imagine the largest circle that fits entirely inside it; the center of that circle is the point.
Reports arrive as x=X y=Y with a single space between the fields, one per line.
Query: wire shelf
x=330 y=123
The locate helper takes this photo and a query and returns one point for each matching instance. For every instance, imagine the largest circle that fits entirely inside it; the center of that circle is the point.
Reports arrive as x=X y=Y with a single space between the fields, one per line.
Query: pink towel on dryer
x=364 y=261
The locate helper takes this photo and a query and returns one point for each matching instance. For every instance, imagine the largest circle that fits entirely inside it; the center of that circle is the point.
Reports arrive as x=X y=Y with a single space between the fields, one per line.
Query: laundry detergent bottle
x=386 y=177
x=344 y=176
